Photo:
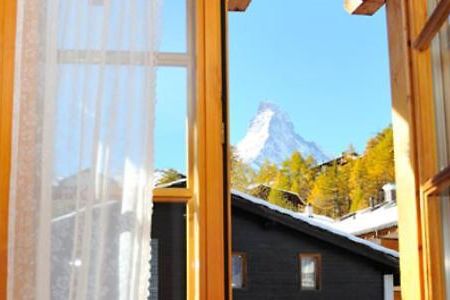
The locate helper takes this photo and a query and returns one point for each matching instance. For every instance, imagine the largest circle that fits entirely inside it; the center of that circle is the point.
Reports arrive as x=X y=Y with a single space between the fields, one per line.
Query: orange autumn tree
x=338 y=190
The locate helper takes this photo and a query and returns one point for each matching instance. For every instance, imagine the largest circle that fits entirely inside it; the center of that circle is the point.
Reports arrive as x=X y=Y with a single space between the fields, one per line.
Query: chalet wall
x=273 y=273
x=169 y=228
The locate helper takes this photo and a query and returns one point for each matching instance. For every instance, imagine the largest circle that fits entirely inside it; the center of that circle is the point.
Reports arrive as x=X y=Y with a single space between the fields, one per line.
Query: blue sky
x=327 y=69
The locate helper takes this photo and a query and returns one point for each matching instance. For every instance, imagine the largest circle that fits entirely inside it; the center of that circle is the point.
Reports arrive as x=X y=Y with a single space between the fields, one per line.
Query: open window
x=435 y=37
x=419 y=51
x=190 y=76
x=420 y=77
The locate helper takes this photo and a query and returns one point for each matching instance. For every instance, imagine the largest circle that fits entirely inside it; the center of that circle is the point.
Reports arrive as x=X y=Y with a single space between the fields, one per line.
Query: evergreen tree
x=295 y=175
x=335 y=190
x=301 y=172
x=282 y=183
x=330 y=193
x=267 y=173
x=358 y=189
x=170 y=175
x=348 y=187
x=379 y=162
x=374 y=169
x=242 y=175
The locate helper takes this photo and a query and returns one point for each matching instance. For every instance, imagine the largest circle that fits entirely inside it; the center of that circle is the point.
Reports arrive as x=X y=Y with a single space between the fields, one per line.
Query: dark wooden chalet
x=276 y=243
x=342 y=160
x=278 y=254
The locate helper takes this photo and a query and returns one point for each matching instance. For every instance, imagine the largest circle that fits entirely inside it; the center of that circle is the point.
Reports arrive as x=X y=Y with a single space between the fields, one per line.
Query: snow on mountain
x=271 y=135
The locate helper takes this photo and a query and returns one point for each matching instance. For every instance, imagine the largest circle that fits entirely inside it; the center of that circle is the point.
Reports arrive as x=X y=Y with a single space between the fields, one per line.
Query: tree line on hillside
x=333 y=189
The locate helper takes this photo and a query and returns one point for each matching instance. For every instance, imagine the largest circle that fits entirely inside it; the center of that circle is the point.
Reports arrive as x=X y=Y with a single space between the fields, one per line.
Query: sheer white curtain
x=80 y=206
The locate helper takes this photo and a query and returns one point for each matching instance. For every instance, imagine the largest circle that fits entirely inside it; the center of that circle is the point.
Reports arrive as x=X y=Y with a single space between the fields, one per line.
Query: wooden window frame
x=244 y=269
x=410 y=30
x=433 y=258
x=7 y=44
x=207 y=194
x=415 y=148
x=318 y=271
x=423 y=28
x=432 y=25
x=437 y=184
x=405 y=149
x=208 y=208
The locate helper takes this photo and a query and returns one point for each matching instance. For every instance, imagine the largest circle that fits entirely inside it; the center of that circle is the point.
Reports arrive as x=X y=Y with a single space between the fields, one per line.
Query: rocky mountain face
x=271 y=135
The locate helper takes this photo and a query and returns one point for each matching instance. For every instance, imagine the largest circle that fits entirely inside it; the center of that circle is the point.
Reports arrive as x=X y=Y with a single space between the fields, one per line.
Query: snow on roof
x=320 y=223
x=81 y=210
x=389 y=186
x=370 y=219
x=319 y=218
x=170 y=184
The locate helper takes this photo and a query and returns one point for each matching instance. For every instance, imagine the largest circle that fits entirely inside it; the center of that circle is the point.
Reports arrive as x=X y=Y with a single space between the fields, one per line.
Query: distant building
x=78 y=188
x=263 y=191
x=342 y=160
x=377 y=223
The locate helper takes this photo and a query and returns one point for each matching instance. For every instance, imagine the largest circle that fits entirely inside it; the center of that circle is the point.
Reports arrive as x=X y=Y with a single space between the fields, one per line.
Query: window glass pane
x=174 y=26
x=170 y=126
x=440 y=53
x=169 y=254
x=445 y=229
x=99 y=24
x=238 y=265
x=308 y=272
x=78 y=105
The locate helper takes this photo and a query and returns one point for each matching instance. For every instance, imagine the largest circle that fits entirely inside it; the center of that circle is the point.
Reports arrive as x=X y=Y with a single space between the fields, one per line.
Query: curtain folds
x=81 y=182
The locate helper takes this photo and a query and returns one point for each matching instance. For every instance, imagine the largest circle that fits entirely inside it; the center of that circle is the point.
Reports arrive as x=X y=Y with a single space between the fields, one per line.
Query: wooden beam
x=7 y=45
x=238 y=5
x=363 y=7
x=438 y=183
x=433 y=25
x=176 y=195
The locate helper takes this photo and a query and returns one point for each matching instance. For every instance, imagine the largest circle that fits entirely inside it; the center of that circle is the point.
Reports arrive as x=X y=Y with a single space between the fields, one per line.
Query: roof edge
x=321 y=231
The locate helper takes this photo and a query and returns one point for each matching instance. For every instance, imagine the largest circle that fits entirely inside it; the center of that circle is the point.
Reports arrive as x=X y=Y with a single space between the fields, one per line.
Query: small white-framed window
x=310 y=266
x=239 y=266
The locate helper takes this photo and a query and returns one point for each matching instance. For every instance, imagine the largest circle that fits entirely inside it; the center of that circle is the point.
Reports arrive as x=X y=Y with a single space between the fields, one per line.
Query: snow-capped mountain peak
x=271 y=135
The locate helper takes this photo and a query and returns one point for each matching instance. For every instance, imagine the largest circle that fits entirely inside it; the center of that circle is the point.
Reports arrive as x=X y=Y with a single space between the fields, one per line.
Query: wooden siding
x=169 y=228
x=273 y=273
